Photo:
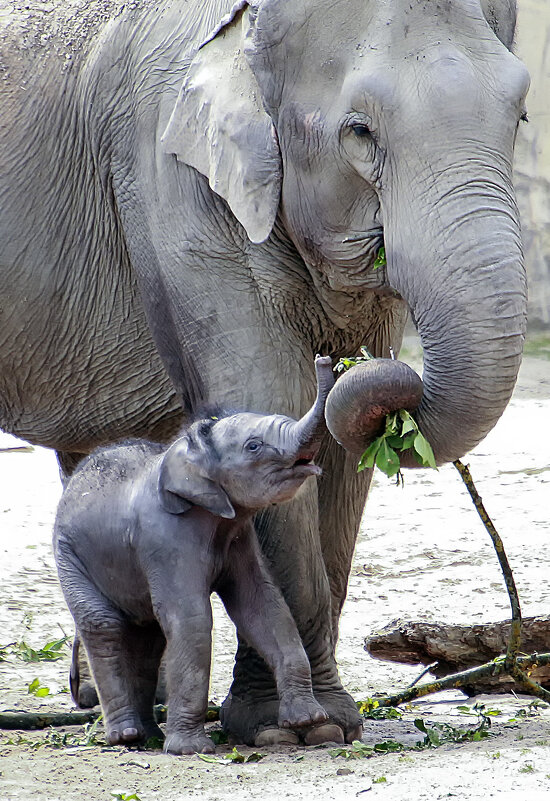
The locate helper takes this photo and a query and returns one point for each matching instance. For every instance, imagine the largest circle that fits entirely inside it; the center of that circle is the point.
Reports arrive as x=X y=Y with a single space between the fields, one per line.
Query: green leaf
x=235 y=756
x=369 y=456
x=125 y=796
x=408 y=426
x=424 y=450
x=380 y=260
x=420 y=725
x=387 y=459
x=388 y=747
x=255 y=756
x=392 y=424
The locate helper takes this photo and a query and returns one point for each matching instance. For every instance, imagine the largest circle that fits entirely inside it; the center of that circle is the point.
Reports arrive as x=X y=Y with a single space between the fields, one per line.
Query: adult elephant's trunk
x=460 y=269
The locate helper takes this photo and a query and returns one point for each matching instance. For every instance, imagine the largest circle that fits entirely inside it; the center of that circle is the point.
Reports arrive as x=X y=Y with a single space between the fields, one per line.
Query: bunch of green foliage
x=401 y=433
x=36 y=689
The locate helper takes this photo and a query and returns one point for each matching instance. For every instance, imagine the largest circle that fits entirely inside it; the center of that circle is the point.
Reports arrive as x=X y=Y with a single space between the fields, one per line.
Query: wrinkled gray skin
x=210 y=215
x=144 y=534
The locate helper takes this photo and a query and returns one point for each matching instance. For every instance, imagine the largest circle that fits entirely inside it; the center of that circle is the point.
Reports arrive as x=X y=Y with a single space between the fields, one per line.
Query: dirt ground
x=422 y=555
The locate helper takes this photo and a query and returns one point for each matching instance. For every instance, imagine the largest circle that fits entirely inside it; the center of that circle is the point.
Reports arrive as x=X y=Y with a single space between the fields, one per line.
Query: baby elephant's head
x=244 y=460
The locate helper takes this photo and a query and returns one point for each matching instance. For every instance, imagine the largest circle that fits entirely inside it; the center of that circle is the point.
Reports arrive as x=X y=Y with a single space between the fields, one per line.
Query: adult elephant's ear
x=184 y=482
x=219 y=127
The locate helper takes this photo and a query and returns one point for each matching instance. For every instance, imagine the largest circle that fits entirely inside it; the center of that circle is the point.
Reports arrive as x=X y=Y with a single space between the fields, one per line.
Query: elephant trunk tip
x=357 y=406
x=324 y=374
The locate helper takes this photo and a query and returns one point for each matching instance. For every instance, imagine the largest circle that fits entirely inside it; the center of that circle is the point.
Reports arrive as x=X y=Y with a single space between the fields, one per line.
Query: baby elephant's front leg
x=264 y=621
x=187 y=627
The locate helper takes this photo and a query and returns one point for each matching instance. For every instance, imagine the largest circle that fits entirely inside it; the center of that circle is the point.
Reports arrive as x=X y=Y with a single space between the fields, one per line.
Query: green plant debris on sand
x=50 y=652
x=372 y=710
x=36 y=689
x=234 y=757
x=118 y=796
x=435 y=735
x=55 y=739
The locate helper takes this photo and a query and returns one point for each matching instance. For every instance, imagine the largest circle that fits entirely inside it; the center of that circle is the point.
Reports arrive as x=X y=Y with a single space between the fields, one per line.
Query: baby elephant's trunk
x=309 y=430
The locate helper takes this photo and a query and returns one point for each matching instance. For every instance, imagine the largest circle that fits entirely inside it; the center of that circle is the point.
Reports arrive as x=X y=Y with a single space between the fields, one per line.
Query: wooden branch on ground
x=455 y=648
x=16 y=720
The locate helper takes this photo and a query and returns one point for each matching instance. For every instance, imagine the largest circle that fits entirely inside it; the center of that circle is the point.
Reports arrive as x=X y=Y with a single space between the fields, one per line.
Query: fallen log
x=455 y=648
x=16 y=719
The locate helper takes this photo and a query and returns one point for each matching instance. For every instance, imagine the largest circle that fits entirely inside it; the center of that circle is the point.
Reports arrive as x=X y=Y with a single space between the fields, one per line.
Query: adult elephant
x=193 y=196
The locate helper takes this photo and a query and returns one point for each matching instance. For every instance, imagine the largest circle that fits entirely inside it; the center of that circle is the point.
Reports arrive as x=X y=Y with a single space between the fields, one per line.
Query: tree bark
x=457 y=648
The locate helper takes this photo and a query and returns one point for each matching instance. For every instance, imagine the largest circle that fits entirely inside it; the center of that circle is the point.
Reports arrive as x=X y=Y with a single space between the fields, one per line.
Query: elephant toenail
x=325 y=733
x=276 y=737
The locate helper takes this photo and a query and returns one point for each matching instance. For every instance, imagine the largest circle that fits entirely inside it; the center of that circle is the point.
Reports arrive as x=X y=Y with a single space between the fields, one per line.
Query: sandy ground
x=422 y=555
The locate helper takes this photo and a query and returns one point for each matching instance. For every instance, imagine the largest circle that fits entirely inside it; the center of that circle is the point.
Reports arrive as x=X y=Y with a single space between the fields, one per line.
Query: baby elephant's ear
x=184 y=482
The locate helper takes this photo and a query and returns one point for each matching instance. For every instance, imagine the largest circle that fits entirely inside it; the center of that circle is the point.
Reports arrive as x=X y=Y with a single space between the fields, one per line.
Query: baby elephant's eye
x=253 y=445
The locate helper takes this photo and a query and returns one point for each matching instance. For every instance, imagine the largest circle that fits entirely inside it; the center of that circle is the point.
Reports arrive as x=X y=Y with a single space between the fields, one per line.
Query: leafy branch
x=400 y=434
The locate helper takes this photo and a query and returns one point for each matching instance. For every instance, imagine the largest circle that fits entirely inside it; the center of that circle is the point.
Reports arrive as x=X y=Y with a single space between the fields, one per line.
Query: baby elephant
x=145 y=533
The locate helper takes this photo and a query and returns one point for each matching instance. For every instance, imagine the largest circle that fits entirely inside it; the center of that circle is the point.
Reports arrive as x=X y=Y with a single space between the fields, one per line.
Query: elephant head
x=392 y=122
x=244 y=459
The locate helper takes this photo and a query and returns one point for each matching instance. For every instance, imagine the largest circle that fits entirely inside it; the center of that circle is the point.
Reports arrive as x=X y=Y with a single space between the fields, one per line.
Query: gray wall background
x=532 y=162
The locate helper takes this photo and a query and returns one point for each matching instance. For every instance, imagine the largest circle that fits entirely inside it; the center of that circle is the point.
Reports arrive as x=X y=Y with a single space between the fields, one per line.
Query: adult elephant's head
x=389 y=121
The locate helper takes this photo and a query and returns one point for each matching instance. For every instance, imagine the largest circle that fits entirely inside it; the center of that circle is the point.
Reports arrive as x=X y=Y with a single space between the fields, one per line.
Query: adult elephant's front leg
x=342 y=495
x=289 y=536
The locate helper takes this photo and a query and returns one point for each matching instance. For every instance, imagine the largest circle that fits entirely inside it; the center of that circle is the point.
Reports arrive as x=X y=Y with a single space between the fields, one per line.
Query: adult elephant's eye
x=253 y=445
x=360 y=130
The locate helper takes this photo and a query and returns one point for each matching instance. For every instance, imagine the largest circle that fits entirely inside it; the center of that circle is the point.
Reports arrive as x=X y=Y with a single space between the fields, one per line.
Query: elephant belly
x=79 y=368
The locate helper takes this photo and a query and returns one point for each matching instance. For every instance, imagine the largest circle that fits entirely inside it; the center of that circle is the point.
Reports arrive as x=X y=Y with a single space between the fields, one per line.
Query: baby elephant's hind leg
x=124 y=659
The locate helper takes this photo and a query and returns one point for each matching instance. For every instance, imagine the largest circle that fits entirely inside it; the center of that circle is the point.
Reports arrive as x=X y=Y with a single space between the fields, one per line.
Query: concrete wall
x=532 y=163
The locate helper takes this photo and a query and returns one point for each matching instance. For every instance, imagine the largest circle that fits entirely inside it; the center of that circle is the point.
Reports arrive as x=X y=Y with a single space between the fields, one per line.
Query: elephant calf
x=145 y=533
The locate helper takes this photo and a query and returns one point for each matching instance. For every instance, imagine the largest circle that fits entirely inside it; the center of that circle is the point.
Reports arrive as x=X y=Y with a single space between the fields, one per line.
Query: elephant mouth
x=302 y=468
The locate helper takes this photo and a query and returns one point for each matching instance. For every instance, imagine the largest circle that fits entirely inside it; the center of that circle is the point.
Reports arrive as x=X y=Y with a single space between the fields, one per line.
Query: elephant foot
x=248 y=716
x=124 y=732
x=253 y=720
x=343 y=715
x=129 y=728
x=86 y=696
x=196 y=743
